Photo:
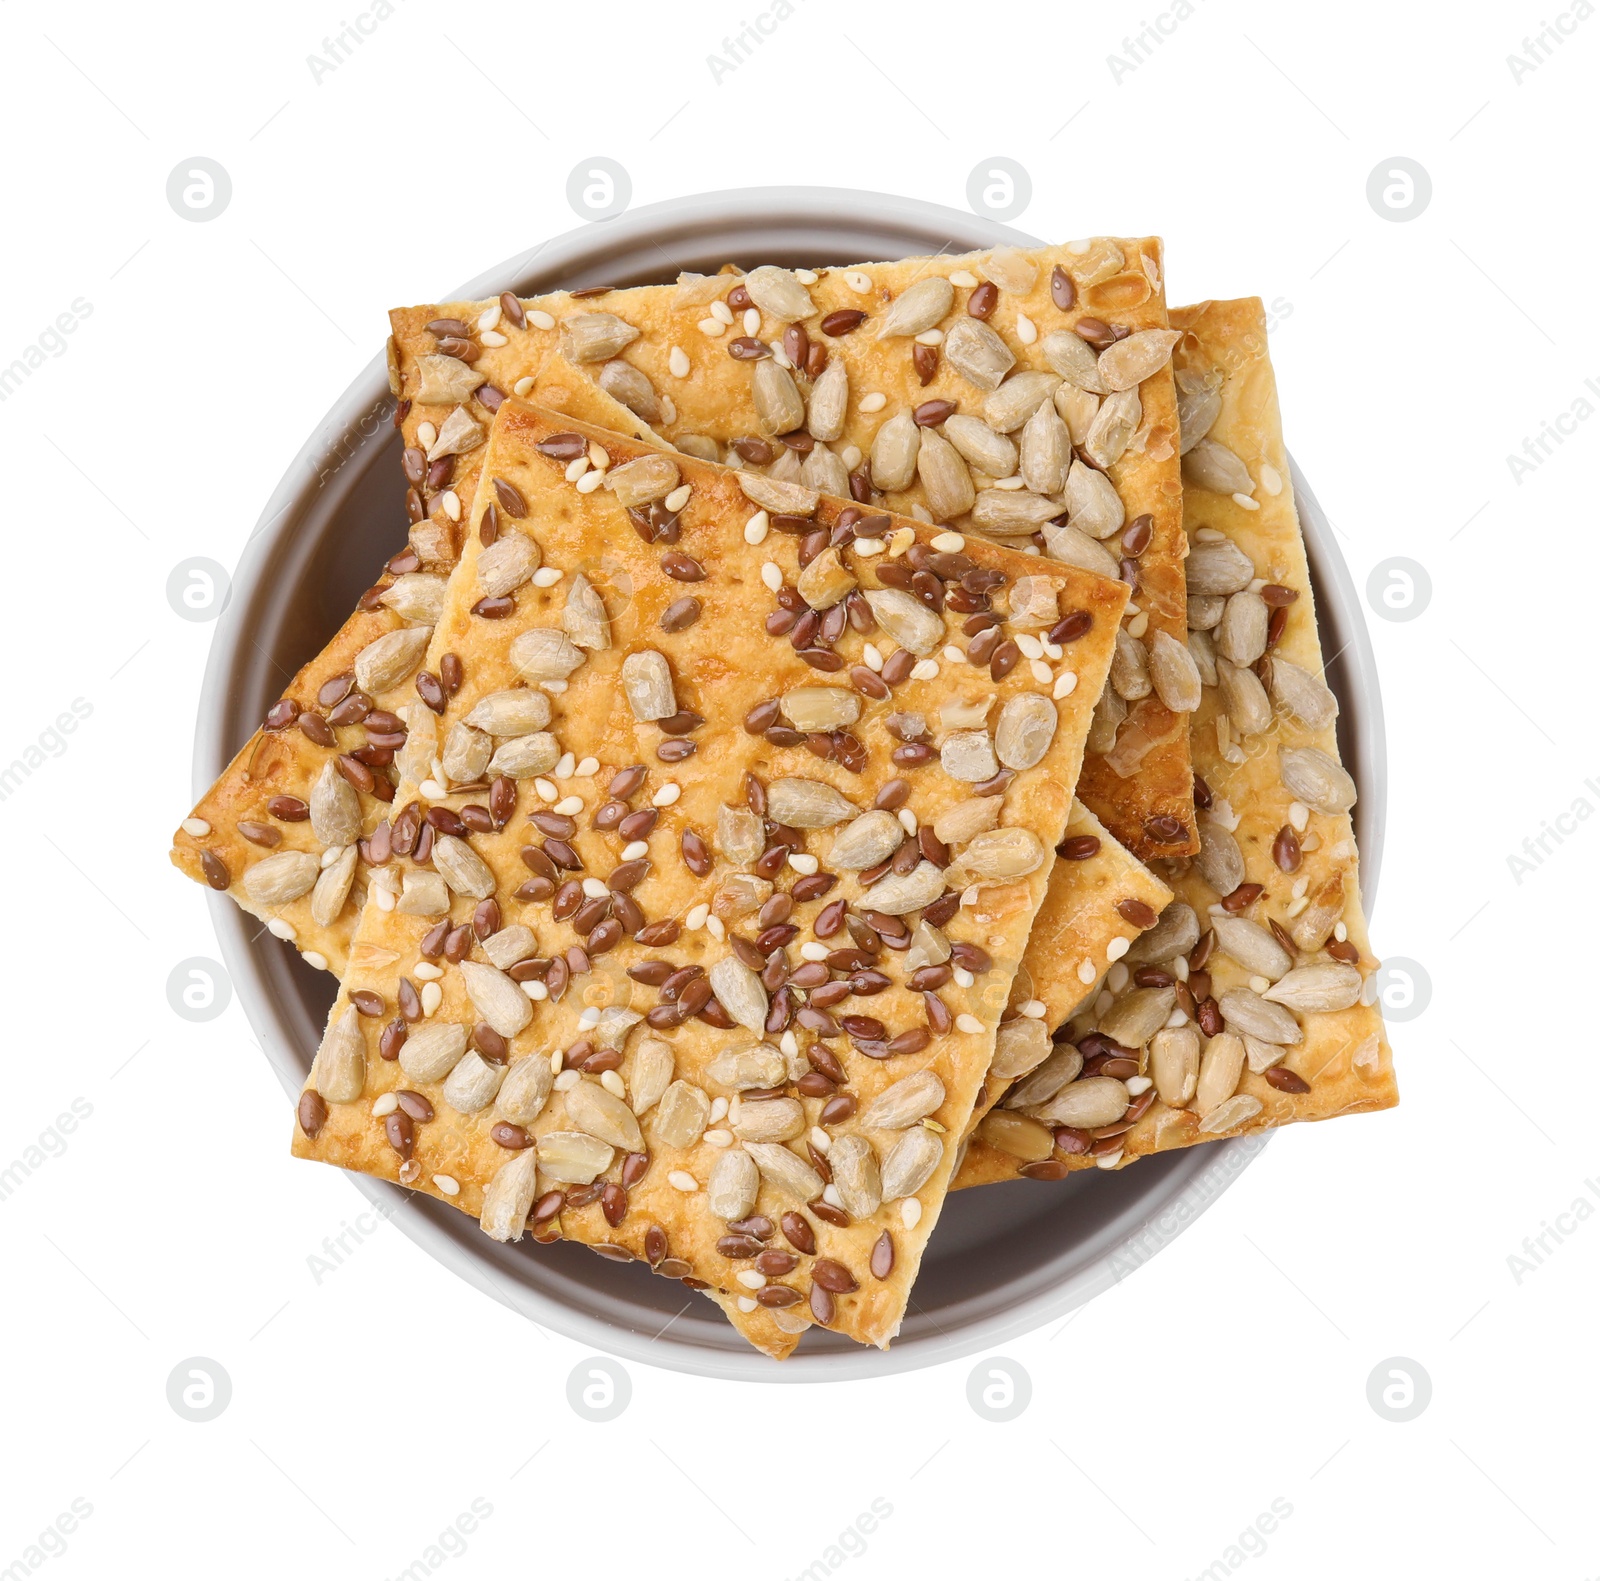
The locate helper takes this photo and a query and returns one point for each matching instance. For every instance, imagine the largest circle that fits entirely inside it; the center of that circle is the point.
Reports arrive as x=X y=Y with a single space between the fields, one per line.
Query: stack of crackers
x=831 y=737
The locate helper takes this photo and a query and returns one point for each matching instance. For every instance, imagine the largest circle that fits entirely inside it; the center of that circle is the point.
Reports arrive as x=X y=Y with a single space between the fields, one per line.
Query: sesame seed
x=426 y=434
x=1295 y=907
x=432 y=997
x=198 y=827
x=953 y=654
x=588 y=1018
x=870 y=656
x=1260 y=984
x=1340 y=932
x=851 y=456
x=590 y=481
x=668 y=794
x=721 y=312
x=634 y=850
x=968 y=1023
x=682 y=1180
x=595 y=888
x=1013 y=482
x=1117 y=977
x=452 y=504
x=790 y=1044
x=821 y=1140
x=565 y=764
x=540 y=319
x=427 y=971
x=1208 y=535
x=523 y=385
x=772 y=577
x=949 y=543
x=546 y=791
x=546 y=576
x=492 y=337
x=432 y=789
x=1086 y=972
x=1109 y=1160
x=557 y=1060
x=924 y=669
x=330 y=856
x=1117 y=948
x=678 y=363
x=835 y=1201
x=280 y=929
x=613 y=1084
x=873 y=401
x=696 y=918
x=964 y=278
x=719 y=1107
x=1052 y=650
x=569 y=806
x=755 y=530
x=868 y=547
x=752 y=321
x=806 y=276
x=587 y=768
x=969 y=896
x=1140 y=624
x=749 y=1277
x=576 y=468
x=535 y=990
x=858 y=280
x=910 y=1212
x=1041 y=671
x=931 y=337
x=812 y=951
x=1245 y=503
x=964 y=978
x=1033 y=1009
x=567 y=1080
x=1300 y=886
x=678 y=498
x=1271 y=479
x=386 y=1103
x=1027 y=330
x=711 y=327
x=908 y=820
x=717 y=1138
x=554 y=688
x=385 y=898
x=747 y=1303
x=448 y=1184
x=1299 y=816
x=1031 y=647
x=803 y=862
x=900 y=540
x=716 y=928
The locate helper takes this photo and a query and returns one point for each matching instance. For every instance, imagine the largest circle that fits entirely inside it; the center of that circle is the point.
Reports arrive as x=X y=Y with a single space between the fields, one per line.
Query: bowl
x=1006 y=1258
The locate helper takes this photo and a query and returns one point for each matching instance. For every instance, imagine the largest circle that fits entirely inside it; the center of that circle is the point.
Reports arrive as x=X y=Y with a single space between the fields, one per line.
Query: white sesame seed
x=452 y=504
x=1033 y=1009
x=717 y=1138
x=716 y=928
x=772 y=577
x=871 y=657
x=953 y=655
x=523 y=385
x=964 y=278
x=1031 y=647
x=1300 y=886
x=908 y=820
x=949 y=542
x=821 y=1140
x=535 y=990
x=1140 y=624
x=613 y=1084
x=1340 y=932
x=964 y=978
x=1260 y=984
x=719 y=1107
x=806 y=276
x=682 y=1180
x=546 y=576
x=712 y=327
x=567 y=1080
x=1040 y=670
x=851 y=456
x=489 y=318
x=835 y=1201
x=386 y=1103
x=427 y=971
x=858 y=280
x=1066 y=684
x=590 y=481
x=1208 y=535
x=1178 y=966
x=316 y=959
x=748 y=1303
x=540 y=319
x=678 y=498
x=1109 y=1160
x=873 y=401
x=1117 y=977
x=546 y=791
x=280 y=929
x=330 y=856
x=790 y=1044
x=1299 y=816
x=668 y=794
x=1086 y=972
x=803 y=862
x=1013 y=482
x=678 y=363
x=198 y=827
x=969 y=896
x=554 y=688
x=1271 y=479
x=432 y=997
x=569 y=806
x=432 y=789
x=557 y=1060
x=900 y=540
x=385 y=898
x=750 y=1278
x=868 y=547
x=587 y=768
x=924 y=669
x=931 y=337
x=1027 y=330
x=721 y=312
x=811 y=951
x=492 y=337
x=565 y=764
x=752 y=321
x=755 y=530
x=1117 y=948
x=1295 y=907
x=910 y=1212
x=448 y=1184
x=968 y=1023
x=426 y=434
x=576 y=468
x=1177 y=1018
x=1245 y=503
x=696 y=918
x=594 y=888
x=634 y=850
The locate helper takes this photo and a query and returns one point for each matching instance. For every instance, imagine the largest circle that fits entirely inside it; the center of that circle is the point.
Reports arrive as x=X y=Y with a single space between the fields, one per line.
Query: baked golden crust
x=1312 y=897
x=718 y=670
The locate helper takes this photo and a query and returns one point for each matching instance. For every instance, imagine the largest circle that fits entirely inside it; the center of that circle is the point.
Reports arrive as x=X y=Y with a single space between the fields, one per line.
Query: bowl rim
x=771 y=221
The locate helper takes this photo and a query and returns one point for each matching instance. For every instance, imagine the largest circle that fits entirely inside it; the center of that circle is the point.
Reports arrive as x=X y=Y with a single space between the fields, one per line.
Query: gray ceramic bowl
x=1005 y=1259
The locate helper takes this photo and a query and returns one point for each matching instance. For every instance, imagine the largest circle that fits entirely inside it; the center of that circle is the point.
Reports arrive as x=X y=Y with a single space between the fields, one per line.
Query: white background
x=370 y=1410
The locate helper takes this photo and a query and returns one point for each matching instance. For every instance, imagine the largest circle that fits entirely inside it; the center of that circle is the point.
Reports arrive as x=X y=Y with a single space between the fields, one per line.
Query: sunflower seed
x=499 y=1000
x=1321 y=986
x=643 y=480
x=1106 y=721
x=1004 y=854
x=958 y=824
x=1046 y=451
x=1063 y=1065
x=422 y=894
x=647 y=683
x=786 y=1170
x=1220 y=861
x=759 y=1065
x=911 y=1163
x=1204 y=656
x=778 y=404
x=1211 y=465
x=1198 y=411
x=866 y=841
x=740 y=835
x=463 y=869
x=1009 y=268
x=1311 y=928
x=1217 y=566
x=1204 y=611
x=1235 y=1112
x=459 y=433
x=508 y=1198
x=600 y=1113
x=1301 y=694
x=1176 y=932
x=768 y=1120
x=853 y=1162
x=829 y=403
x=1073 y=359
x=335 y=808
x=432 y=1051
x=332 y=888
x=740 y=992
x=894 y=453
x=339 y=1071
x=1252 y=947
x=1130 y=674
x=1309 y=775
x=817 y=708
x=466 y=754
x=1073 y=546
x=514 y=713
x=904 y=1103
x=595 y=337
x=807 y=804
x=1241 y=634
x=1175 y=1063
x=583 y=616
x=1005 y=410
x=977 y=353
x=1093 y=504
x=1137 y=1016
x=1221 y=1066
x=544 y=654
x=1174 y=673
x=908 y=620
x=1248 y=1012
x=632 y=387
x=1017 y=1136
x=899 y=893
x=969 y=755
x=1020 y=1046
x=525 y=1091
x=1244 y=699
x=445 y=381
x=573 y=1158
x=681 y=1115
x=1085 y=1104
x=917 y=308
x=277 y=880
x=992 y=454
x=733 y=1184
x=650 y=1074
x=1011 y=512
x=1113 y=428
x=471 y=1086
x=1026 y=727
x=384 y=664
x=946 y=483
x=525 y=756
x=417 y=596
x=825 y=581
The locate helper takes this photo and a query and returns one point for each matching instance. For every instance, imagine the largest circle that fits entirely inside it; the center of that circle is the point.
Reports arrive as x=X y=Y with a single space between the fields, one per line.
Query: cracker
x=1239 y=509
x=504 y=868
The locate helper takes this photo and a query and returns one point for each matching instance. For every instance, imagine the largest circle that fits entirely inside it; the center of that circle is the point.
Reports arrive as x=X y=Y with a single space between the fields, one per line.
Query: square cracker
x=721 y=667
x=664 y=351
x=1339 y=1061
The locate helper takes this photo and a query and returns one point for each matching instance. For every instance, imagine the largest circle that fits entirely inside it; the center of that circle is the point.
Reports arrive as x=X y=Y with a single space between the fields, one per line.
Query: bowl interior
x=1004 y=1258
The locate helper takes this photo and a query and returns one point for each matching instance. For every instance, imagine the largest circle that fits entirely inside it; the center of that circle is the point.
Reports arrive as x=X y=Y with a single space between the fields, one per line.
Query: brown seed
x=282 y=714
x=367 y=1003
x=400 y=1132
x=657 y=934
x=510 y=498
x=1286 y=849
x=681 y=567
x=511 y=1137
x=1243 y=898
x=680 y=614
x=1164 y=830
x=822 y=1305
x=288 y=809
x=1285 y=1080
x=392 y=1039
x=747 y=348
x=778 y=1296
x=1202 y=793
x=1004 y=660
x=981 y=303
x=312 y=1111
x=1276 y=596
x=882 y=1260
x=843 y=321
x=833 y=1276
x=451 y=673
x=1209 y=1016
x=1137 y=912
x=550 y=1204
x=1344 y=950
x=215 y=870
x=925 y=362
x=932 y=413
x=1097 y=332
x=798 y=1232
x=1062 y=292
